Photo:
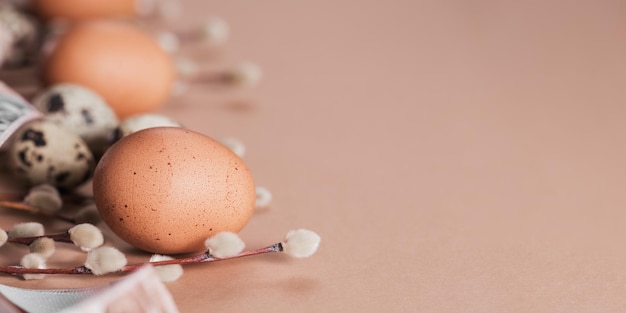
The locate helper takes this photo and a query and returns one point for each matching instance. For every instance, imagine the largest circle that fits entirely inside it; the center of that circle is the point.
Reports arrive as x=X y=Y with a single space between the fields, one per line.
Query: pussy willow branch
x=20 y=206
x=201 y=258
x=206 y=258
x=23 y=207
x=63 y=237
x=74 y=198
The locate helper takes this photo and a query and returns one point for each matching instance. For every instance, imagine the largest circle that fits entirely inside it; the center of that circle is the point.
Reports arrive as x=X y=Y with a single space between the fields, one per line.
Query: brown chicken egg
x=84 y=9
x=117 y=60
x=167 y=189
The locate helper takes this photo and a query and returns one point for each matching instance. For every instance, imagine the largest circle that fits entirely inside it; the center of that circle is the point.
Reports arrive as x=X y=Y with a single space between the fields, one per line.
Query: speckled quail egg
x=80 y=110
x=139 y=122
x=42 y=152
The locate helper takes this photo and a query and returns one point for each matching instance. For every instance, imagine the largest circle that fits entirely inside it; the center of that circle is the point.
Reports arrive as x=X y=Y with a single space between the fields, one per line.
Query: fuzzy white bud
x=33 y=260
x=247 y=74
x=43 y=246
x=86 y=236
x=168 y=41
x=215 y=31
x=166 y=273
x=44 y=197
x=263 y=198
x=105 y=260
x=224 y=244
x=186 y=68
x=3 y=237
x=301 y=243
x=29 y=229
x=142 y=121
x=179 y=88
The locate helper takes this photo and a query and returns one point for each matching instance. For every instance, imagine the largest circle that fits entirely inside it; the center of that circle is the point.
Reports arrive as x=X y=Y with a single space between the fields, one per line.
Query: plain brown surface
x=454 y=156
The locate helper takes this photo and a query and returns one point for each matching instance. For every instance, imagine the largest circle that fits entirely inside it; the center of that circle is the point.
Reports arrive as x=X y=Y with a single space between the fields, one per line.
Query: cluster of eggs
x=158 y=186
x=78 y=128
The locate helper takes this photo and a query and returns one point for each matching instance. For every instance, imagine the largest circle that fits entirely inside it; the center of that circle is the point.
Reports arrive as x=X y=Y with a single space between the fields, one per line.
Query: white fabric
x=141 y=291
x=46 y=301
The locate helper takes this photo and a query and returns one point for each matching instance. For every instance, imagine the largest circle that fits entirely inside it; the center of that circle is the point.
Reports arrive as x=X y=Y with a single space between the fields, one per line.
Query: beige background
x=453 y=155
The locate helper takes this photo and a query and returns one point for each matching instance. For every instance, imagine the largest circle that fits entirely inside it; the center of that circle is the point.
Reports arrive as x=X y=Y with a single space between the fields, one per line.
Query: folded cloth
x=141 y=291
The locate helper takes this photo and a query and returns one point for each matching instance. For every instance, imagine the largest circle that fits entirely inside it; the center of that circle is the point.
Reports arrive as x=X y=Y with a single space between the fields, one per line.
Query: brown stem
x=21 y=206
x=206 y=258
x=201 y=258
x=19 y=270
x=74 y=198
x=63 y=237
x=188 y=260
x=218 y=77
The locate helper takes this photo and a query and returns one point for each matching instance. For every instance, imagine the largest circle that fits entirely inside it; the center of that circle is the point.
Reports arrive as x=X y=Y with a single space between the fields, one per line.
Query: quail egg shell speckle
x=42 y=152
x=80 y=110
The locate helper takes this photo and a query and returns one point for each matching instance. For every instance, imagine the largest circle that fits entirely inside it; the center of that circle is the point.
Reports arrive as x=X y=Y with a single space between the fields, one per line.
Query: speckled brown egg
x=42 y=152
x=167 y=189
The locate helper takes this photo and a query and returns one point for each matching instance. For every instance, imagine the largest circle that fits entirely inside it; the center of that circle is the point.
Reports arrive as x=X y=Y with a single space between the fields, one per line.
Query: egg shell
x=84 y=9
x=80 y=110
x=115 y=59
x=42 y=152
x=167 y=189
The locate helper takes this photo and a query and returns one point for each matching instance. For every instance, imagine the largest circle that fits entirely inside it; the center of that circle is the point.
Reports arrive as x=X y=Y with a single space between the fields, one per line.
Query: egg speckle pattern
x=167 y=189
x=42 y=152
x=80 y=110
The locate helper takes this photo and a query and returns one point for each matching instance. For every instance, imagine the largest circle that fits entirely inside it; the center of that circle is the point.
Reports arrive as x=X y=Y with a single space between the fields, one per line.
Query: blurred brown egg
x=117 y=60
x=84 y=9
x=167 y=189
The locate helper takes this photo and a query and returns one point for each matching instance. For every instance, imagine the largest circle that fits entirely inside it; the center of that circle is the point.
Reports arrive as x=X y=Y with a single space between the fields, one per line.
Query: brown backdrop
x=453 y=155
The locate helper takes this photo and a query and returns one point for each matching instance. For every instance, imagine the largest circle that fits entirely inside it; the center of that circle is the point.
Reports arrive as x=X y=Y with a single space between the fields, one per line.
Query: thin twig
x=21 y=206
x=201 y=258
x=74 y=198
x=19 y=270
x=63 y=237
